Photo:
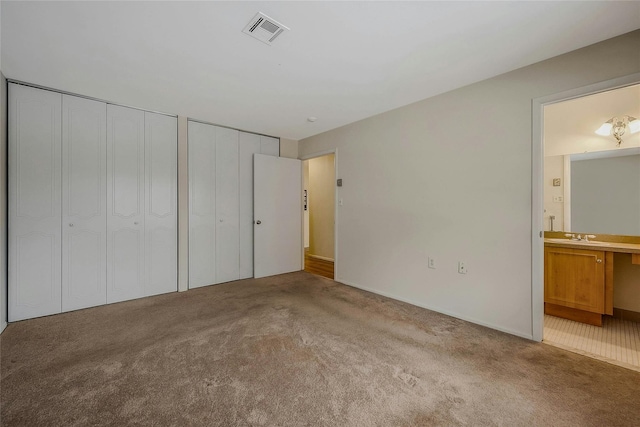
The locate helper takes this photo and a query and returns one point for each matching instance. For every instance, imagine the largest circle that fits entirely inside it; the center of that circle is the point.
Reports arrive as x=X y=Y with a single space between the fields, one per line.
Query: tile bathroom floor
x=616 y=342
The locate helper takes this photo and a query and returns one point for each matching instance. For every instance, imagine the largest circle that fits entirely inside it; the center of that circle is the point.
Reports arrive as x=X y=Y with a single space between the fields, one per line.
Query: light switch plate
x=462 y=268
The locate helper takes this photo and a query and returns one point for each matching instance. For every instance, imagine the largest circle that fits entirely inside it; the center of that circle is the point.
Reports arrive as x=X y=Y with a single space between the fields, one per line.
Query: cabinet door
x=227 y=206
x=574 y=278
x=34 y=202
x=125 y=203
x=161 y=226
x=249 y=144
x=84 y=224
x=202 y=204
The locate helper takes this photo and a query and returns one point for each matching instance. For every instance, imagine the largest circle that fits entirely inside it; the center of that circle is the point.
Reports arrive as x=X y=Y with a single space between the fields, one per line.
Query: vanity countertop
x=628 y=248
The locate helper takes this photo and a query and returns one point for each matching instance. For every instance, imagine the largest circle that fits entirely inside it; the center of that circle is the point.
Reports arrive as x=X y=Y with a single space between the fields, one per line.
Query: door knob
x=599 y=261
x=258 y=222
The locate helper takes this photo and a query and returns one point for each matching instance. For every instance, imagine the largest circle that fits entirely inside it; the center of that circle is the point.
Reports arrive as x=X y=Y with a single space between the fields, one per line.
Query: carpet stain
x=406 y=377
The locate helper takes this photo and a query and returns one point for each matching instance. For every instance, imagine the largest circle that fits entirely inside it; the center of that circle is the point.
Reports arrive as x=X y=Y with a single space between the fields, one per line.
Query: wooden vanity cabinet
x=574 y=284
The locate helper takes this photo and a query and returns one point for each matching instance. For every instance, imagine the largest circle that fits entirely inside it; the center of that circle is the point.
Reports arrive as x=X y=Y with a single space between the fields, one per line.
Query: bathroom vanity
x=578 y=275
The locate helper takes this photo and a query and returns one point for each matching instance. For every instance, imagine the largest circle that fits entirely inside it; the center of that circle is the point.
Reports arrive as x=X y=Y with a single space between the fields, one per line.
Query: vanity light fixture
x=617 y=126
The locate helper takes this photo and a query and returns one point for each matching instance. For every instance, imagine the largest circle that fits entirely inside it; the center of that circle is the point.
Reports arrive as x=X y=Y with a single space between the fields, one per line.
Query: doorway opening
x=319 y=181
x=586 y=271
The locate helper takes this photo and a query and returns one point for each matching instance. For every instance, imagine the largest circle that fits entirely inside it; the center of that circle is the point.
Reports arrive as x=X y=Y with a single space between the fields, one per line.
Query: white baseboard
x=438 y=310
x=2 y=326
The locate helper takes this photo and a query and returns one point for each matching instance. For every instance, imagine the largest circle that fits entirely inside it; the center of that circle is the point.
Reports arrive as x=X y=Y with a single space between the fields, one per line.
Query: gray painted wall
x=449 y=177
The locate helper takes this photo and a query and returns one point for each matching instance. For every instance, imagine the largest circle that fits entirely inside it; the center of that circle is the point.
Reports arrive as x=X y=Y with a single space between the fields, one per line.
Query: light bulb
x=634 y=126
x=605 y=129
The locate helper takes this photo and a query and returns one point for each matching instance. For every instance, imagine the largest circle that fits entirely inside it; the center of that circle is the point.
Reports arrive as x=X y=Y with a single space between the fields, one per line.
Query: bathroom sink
x=578 y=242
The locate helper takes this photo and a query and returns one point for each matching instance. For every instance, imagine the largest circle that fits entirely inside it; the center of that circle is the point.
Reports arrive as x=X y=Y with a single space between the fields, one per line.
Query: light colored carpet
x=295 y=350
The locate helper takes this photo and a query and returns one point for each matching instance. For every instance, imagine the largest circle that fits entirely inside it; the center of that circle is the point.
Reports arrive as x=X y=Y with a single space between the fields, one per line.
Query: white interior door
x=277 y=212
x=84 y=223
x=125 y=203
x=34 y=202
x=249 y=144
x=161 y=216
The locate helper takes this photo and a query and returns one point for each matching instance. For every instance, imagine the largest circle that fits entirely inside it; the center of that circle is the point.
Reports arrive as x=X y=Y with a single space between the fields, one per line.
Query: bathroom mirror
x=605 y=192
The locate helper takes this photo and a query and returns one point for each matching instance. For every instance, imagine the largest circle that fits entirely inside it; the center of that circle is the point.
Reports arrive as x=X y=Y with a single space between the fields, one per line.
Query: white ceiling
x=341 y=61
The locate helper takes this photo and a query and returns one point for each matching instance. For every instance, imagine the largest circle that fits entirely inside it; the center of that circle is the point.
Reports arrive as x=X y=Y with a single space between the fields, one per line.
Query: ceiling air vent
x=264 y=28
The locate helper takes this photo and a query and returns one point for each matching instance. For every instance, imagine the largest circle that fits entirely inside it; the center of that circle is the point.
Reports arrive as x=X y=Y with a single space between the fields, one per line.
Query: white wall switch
x=432 y=263
x=462 y=268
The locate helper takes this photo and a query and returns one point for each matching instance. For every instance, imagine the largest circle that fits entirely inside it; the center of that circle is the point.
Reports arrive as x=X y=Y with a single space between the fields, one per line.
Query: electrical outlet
x=462 y=268
x=558 y=199
x=432 y=263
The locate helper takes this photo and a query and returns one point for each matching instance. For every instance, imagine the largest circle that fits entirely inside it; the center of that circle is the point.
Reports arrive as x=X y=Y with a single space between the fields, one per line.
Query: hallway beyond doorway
x=315 y=265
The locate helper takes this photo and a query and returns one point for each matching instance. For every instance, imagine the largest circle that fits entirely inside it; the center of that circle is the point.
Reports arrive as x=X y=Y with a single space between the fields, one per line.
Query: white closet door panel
x=125 y=261
x=161 y=253
x=202 y=248
x=249 y=144
x=84 y=223
x=161 y=218
x=227 y=206
x=125 y=203
x=202 y=204
x=34 y=202
x=269 y=146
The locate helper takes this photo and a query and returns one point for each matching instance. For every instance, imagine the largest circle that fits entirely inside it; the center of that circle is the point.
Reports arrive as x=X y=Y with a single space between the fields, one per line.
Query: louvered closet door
x=84 y=224
x=202 y=204
x=227 y=206
x=161 y=219
x=249 y=144
x=125 y=203
x=34 y=202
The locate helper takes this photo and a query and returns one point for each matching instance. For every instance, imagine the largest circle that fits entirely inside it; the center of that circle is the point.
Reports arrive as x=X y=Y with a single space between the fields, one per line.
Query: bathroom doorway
x=590 y=208
x=319 y=183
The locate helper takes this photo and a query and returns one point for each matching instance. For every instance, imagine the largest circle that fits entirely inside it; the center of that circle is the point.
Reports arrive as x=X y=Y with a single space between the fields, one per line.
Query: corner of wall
x=289 y=148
